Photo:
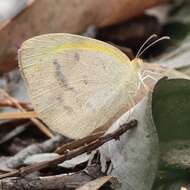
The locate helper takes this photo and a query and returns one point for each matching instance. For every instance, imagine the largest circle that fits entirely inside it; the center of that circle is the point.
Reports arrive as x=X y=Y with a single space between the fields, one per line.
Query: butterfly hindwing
x=75 y=83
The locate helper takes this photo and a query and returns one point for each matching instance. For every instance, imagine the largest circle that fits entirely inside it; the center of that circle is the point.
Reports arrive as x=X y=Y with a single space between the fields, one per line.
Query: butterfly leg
x=142 y=79
x=144 y=85
x=150 y=77
x=150 y=72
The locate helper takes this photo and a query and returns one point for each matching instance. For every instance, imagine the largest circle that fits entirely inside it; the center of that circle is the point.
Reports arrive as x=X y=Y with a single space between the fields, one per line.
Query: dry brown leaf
x=74 y=16
x=6 y=21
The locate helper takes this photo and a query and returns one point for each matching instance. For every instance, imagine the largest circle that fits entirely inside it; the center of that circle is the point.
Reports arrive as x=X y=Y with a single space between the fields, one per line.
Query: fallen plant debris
x=38 y=123
x=77 y=143
x=85 y=15
x=18 y=159
x=7 y=103
x=73 y=153
x=70 y=181
x=14 y=133
x=17 y=115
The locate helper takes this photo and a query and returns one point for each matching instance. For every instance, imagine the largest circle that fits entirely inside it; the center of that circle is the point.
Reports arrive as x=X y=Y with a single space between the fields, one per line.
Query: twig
x=59 y=182
x=77 y=143
x=17 y=115
x=13 y=133
x=18 y=159
x=7 y=103
x=71 y=154
x=39 y=124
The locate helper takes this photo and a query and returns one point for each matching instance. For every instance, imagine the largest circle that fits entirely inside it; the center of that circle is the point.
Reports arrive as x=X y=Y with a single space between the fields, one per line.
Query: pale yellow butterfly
x=77 y=84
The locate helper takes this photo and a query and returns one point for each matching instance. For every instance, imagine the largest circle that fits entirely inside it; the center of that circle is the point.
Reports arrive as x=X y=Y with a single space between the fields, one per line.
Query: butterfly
x=78 y=84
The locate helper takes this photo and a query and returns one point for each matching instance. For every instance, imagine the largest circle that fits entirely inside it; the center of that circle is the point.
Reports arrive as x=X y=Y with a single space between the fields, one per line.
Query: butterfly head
x=137 y=63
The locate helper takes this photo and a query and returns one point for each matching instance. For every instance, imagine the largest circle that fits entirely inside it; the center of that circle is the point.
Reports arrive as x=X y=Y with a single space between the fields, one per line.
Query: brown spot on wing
x=77 y=56
x=85 y=81
x=67 y=108
x=60 y=76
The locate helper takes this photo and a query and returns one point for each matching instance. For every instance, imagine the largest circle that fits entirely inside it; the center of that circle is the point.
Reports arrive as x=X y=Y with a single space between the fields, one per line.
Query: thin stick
x=17 y=115
x=77 y=143
x=39 y=124
x=7 y=103
x=71 y=154
x=58 y=182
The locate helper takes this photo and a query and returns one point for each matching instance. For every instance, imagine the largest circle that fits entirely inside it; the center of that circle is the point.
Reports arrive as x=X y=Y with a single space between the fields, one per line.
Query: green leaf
x=171 y=109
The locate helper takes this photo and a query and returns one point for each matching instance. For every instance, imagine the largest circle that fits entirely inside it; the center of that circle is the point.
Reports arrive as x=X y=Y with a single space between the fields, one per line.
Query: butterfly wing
x=75 y=83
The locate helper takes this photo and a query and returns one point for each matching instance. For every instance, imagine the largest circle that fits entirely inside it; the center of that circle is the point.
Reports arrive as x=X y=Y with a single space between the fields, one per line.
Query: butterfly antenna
x=140 y=49
x=150 y=45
